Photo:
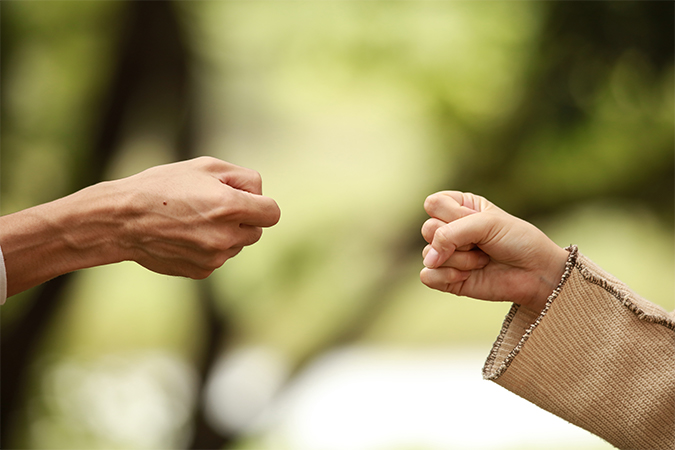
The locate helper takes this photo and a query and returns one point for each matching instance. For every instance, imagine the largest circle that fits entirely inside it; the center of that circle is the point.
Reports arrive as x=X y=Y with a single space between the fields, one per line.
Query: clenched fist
x=184 y=219
x=478 y=250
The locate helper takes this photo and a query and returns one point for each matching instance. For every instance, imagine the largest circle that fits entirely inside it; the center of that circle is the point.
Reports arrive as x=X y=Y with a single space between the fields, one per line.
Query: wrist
x=551 y=276
x=91 y=224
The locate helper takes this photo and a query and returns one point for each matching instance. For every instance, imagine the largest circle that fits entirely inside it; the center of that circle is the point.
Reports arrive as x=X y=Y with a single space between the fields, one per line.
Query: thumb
x=468 y=231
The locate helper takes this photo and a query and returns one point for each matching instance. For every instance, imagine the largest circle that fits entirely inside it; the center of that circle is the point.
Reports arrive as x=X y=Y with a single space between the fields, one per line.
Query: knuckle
x=205 y=160
x=200 y=274
x=208 y=264
x=197 y=271
x=212 y=247
x=254 y=235
x=247 y=235
x=255 y=179
x=234 y=251
x=218 y=249
x=214 y=261
x=211 y=164
x=255 y=176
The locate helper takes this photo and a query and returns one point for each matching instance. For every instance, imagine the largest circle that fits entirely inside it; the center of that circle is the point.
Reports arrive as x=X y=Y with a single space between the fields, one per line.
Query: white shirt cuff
x=3 y=279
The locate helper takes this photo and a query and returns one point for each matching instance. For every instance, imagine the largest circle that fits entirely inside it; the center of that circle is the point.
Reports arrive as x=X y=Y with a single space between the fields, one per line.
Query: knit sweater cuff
x=518 y=326
x=598 y=355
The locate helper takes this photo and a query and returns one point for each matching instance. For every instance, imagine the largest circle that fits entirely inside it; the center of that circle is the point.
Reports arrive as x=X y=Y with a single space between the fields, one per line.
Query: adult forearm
x=71 y=233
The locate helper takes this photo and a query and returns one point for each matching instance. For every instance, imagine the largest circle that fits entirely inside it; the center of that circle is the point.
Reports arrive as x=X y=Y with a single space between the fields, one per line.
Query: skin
x=183 y=219
x=480 y=251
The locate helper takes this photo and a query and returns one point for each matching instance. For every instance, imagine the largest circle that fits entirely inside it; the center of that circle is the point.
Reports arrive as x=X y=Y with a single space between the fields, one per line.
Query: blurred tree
x=551 y=140
x=588 y=58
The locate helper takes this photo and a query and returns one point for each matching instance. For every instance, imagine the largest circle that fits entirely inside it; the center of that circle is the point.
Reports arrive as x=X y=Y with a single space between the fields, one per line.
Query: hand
x=184 y=219
x=188 y=218
x=480 y=251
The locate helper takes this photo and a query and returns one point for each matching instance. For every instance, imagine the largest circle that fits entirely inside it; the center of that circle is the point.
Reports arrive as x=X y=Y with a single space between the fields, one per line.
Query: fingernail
x=431 y=259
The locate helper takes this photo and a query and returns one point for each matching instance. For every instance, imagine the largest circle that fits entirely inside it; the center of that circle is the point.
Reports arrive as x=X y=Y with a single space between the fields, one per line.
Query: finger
x=470 y=230
x=232 y=175
x=256 y=210
x=443 y=279
x=471 y=260
x=450 y=205
x=234 y=251
x=429 y=228
x=463 y=259
x=244 y=179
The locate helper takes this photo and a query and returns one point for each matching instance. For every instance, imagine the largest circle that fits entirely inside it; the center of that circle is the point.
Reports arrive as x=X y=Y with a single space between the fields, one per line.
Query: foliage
x=353 y=112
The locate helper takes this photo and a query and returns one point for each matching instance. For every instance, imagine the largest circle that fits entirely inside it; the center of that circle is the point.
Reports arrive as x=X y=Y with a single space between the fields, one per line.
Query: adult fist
x=188 y=218
x=184 y=219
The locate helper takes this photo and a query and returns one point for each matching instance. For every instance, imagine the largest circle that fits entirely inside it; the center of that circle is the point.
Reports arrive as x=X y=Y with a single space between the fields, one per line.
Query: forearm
x=71 y=233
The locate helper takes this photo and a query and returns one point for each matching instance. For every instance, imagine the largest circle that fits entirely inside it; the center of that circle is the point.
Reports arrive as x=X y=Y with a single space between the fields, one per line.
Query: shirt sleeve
x=598 y=355
x=3 y=279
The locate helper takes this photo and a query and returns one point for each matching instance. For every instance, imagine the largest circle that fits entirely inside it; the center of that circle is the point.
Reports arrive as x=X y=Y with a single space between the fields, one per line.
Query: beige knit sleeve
x=598 y=355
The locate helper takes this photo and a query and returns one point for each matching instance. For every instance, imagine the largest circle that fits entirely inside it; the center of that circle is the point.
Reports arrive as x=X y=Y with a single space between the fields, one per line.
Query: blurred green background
x=561 y=113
